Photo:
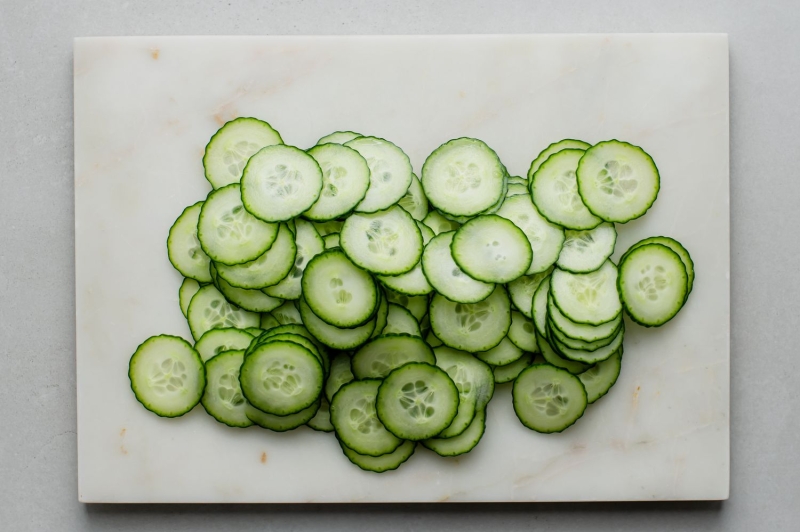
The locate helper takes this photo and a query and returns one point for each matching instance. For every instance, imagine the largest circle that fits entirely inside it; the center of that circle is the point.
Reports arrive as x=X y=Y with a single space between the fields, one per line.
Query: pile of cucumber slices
x=331 y=287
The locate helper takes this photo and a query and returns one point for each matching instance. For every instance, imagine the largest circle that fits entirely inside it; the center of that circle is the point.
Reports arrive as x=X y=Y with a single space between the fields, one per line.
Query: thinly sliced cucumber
x=522 y=333
x=521 y=291
x=341 y=374
x=334 y=336
x=509 y=372
x=653 y=284
x=389 y=172
x=281 y=378
x=228 y=233
x=515 y=189
x=503 y=353
x=464 y=442
x=380 y=464
x=562 y=339
x=308 y=244
x=474 y=382
x=388 y=352
x=589 y=298
x=414 y=282
x=345 y=180
x=282 y=423
x=675 y=246
x=586 y=251
x=354 y=416
x=338 y=137
x=252 y=300
x=216 y=341
x=589 y=357
x=539 y=306
x=440 y=224
x=386 y=242
x=268 y=269
x=331 y=241
x=463 y=177
x=183 y=247
x=186 y=292
x=545 y=238
x=617 y=181
x=599 y=379
x=328 y=228
x=295 y=339
x=223 y=399
x=401 y=321
x=415 y=202
x=381 y=315
x=548 y=399
x=517 y=180
x=492 y=249
x=471 y=327
x=268 y=321
x=554 y=190
x=210 y=310
x=581 y=331
x=337 y=291
x=416 y=305
x=446 y=277
x=287 y=314
x=417 y=401
x=280 y=182
x=167 y=375
x=322 y=419
x=232 y=145
x=300 y=330
x=557 y=360
x=555 y=148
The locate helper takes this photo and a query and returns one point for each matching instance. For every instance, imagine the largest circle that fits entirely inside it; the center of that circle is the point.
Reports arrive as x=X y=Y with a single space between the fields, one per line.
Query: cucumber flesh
x=232 y=146
x=653 y=284
x=223 y=399
x=492 y=249
x=548 y=399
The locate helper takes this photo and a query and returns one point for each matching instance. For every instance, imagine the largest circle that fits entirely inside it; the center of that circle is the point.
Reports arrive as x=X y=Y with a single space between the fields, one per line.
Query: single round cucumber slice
x=228 y=233
x=232 y=146
x=386 y=353
x=554 y=359
x=675 y=246
x=345 y=180
x=522 y=332
x=415 y=202
x=281 y=378
x=554 y=189
x=439 y=224
x=509 y=372
x=252 y=300
x=389 y=172
x=354 y=416
x=416 y=305
x=588 y=357
x=183 y=247
x=417 y=401
x=599 y=379
x=545 y=238
x=386 y=242
x=280 y=182
x=589 y=298
x=332 y=336
x=401 y=321
x=382 y=463
x=337 y=291
x=539 y=306
x=308 y=244
x=167 y=375
x=210 y=310
x=474 y=382
x=446 y=277
x=617 y=181
x=586 y=251
x=464 y=442
x=503 y=353
x=186 y=292
x=471 y=327
x=338 y=137
x=548 y=399
x=341 y=373
x=223 y=399
x=463 y=177
x=492 y=249
x=555 y=148
x=652 y=284
x=581 y=331
x=322 y=419
x=268 y=269
x=522 y=289
x=216 y=341
x=282 y=423
x=287 y=314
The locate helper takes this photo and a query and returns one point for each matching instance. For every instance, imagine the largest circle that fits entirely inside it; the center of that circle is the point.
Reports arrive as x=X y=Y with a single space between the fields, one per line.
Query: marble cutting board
x=144 y=110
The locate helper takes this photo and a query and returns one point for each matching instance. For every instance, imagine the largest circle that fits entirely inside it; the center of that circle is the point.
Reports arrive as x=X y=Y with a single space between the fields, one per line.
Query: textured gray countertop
x=38 y=474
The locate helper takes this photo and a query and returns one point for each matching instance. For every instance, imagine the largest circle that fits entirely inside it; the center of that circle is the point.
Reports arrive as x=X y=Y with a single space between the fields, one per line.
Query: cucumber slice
x=555 y=148
x=474 y=382
x=252 y=300
x=386 y=353
x=589 y=357
x=464 y=442
x=557 y=336
x=492 y=249
x=581 y=331
x=329 y=227
x=417 y=401
x=386 y=242
x=381 y=315
x=345 y=180
x=383 y=463
x=354 y=416
x=232 y=145
x=521 y=291
x=308 y=244
x=281 y=378
x=653 y=284
x=554 y=189
x=675 y=246
x=522 y=332
x=503 y=353
x=463 y=177
x=322 y=419
x=282 y=423
x=389 y=172
x=546 y=239
x=268 y=321
x=539 y=306
x=589 y=298
x=287 y=314
x=416 y=305
x=299 y=340
x=216 y=341
x=183 y=247
x=341 y=373
x=556 y=360
x=548 y=399
x=300 y=330
x=415 y=202
x=401 y=321
x=515 y=189
x=414 y=282
x=186 y=292
x=268 y=269
x=223 y=399
x=228 y=233
x=586 y=251
x=210 y=310
x=617 y=181
x=471 y=327
x=439 y=224
x=517 y=180
x=599 y=379
x=334 y=336
x=280 y=182
x=509 y=372
x=167 y=375
x=446 y=277
x=331 y=241
x=338 y=137
x=337 y=291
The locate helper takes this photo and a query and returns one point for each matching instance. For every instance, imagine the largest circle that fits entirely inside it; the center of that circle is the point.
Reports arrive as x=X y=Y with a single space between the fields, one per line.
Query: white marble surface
x=144 y=109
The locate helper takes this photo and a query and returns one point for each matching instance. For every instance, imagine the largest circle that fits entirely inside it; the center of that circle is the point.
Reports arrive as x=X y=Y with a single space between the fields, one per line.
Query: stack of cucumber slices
x=331 y=287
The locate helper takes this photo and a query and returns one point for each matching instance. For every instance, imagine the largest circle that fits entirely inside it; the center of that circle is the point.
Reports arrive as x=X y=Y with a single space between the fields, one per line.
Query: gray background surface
x=38 y=470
